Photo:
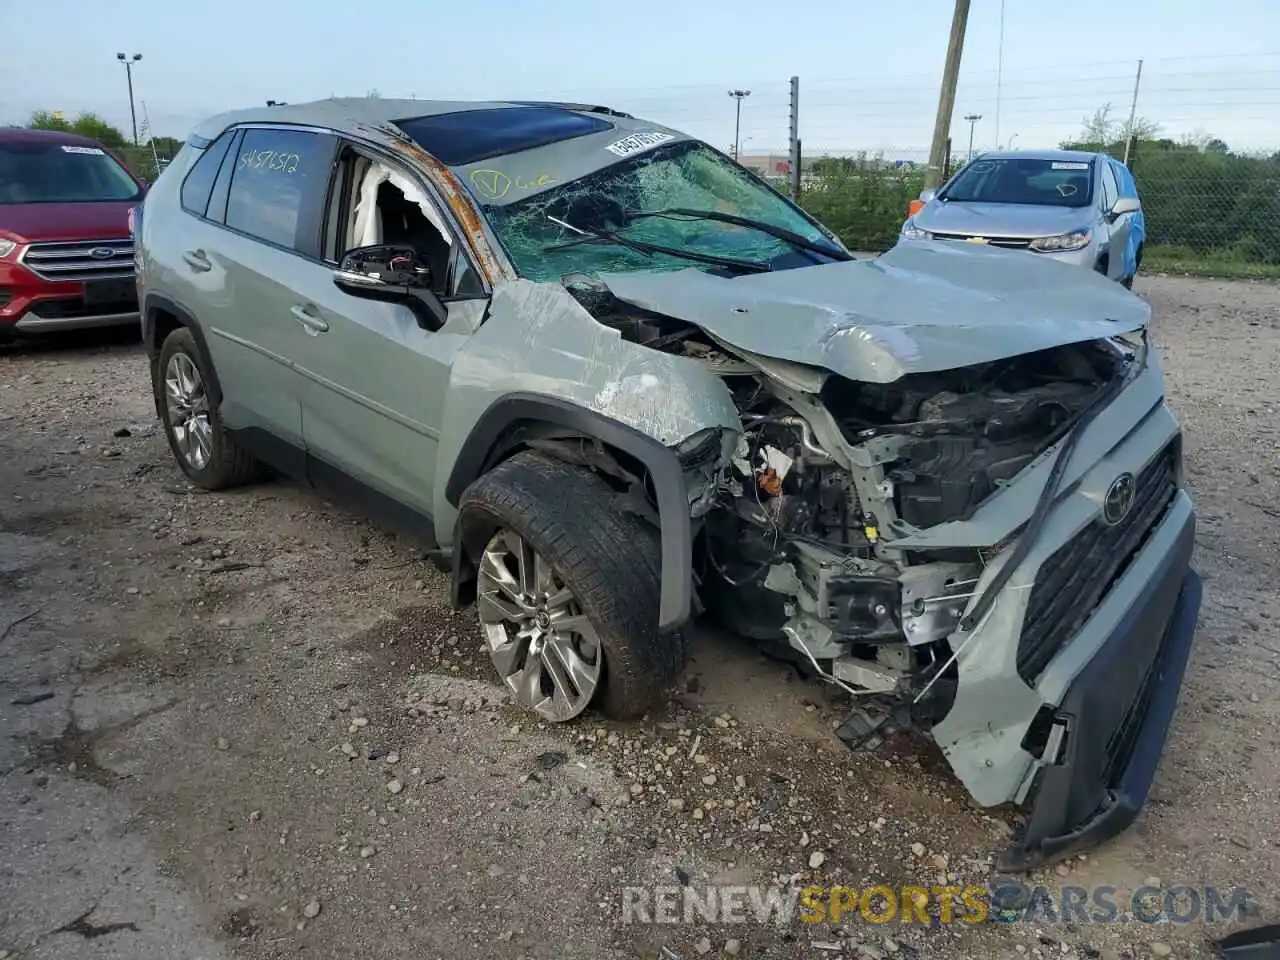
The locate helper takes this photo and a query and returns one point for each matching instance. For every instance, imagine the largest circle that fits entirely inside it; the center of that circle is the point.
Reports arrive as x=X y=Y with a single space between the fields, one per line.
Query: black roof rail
x=579 y=107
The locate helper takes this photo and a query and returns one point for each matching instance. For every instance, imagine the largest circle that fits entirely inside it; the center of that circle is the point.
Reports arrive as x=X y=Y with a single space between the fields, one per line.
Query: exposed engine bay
x=821 y=486
x=798 y=539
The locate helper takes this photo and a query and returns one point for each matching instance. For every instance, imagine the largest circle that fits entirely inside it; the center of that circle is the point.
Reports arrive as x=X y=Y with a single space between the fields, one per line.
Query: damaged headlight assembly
x=701 y=457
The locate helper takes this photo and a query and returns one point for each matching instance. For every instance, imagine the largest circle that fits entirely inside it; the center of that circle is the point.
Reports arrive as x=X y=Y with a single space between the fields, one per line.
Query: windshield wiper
x=782 y=233
x=596 y=236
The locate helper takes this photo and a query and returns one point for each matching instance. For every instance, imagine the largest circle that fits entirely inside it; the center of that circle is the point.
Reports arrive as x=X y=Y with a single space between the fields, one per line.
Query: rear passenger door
x=260 y=233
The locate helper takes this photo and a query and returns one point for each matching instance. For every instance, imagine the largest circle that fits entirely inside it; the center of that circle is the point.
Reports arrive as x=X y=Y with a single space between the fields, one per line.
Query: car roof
x=540 y=144
x=375 y=117
x=1077 y=155
x=54 y=137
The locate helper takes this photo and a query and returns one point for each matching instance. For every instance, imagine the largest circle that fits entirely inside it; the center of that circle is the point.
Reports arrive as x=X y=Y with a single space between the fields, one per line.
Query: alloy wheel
x=187 y=406
x=540 y=640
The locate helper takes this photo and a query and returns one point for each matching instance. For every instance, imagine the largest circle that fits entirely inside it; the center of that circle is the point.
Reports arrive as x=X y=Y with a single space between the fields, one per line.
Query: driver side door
x=373 y=380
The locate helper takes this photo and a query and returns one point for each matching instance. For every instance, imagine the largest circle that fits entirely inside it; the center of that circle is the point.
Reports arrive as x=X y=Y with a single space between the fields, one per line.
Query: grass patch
x=1225 y=264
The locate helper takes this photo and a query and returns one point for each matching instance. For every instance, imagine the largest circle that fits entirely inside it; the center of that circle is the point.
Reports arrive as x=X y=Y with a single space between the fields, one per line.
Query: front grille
x=80 y=259
x=1013 y=243
x=1077 y=577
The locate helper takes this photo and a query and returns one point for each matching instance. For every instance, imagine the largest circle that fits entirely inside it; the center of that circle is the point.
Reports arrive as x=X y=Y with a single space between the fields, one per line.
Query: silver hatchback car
x=1081 y=208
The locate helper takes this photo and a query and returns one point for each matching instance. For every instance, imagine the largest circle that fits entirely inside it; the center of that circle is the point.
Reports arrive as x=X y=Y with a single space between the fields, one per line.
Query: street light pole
x=972 y=118
x=737 y=122
x=128 y=62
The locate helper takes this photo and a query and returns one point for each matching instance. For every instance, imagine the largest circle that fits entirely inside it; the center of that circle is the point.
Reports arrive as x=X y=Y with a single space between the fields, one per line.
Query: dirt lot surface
x=249 y=725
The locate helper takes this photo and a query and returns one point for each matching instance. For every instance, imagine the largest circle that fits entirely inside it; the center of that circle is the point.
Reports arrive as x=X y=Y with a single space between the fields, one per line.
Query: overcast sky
x=869 y=71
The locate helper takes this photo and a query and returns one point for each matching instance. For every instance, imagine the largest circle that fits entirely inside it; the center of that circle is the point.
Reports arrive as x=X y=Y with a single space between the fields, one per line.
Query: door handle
x=310 y=322
x=197 y=260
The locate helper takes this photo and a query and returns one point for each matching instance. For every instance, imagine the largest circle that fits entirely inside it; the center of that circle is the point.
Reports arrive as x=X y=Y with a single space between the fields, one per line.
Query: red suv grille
x=80 y=259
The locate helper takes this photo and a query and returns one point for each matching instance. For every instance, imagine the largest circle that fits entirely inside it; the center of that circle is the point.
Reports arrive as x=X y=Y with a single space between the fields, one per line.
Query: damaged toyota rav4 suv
x=613 y=379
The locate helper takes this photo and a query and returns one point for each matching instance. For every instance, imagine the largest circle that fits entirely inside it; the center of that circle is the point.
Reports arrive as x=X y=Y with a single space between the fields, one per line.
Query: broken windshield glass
x=686 y=175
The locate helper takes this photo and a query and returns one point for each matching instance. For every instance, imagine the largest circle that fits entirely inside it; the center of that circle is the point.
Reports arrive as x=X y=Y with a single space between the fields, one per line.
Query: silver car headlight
x=1064 y=242
x=7 y=246
x=911 y=232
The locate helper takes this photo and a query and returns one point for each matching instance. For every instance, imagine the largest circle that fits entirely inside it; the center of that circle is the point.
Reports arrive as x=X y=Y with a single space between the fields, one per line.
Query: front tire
x=192 y=423
x=568 y=591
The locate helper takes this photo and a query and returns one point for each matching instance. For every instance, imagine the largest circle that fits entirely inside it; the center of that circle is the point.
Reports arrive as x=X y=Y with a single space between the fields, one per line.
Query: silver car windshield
x=686 y=175
x=1051 y=183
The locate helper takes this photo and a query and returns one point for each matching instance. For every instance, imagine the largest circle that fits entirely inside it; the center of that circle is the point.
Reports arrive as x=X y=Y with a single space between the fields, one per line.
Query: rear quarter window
x=199 y=182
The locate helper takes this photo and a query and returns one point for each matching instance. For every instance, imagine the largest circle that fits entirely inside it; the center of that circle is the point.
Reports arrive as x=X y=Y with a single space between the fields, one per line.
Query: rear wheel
x=191 y=421
x=568 y=591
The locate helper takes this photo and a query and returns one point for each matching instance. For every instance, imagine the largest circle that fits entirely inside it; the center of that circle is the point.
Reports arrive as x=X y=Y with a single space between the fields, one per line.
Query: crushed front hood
x=921 y=307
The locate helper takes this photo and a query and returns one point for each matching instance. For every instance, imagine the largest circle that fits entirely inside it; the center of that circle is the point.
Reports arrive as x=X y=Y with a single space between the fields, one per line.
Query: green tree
x=166 y=148
x=85 y=124
x=1101 y=131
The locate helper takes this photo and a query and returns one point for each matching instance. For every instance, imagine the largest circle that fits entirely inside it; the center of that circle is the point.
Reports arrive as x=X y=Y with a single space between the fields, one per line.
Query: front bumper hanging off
x=1117 y=714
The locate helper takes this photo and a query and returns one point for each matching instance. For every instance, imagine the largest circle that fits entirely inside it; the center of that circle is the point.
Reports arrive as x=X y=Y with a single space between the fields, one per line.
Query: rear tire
x=554 y=544
x=191 y=420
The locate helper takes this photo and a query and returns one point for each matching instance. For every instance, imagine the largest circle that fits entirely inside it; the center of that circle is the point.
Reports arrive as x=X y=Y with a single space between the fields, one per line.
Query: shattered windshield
x=651 y=200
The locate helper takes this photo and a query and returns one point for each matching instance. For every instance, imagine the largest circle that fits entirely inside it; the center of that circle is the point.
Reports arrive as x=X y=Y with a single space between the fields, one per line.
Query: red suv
x=66 y=257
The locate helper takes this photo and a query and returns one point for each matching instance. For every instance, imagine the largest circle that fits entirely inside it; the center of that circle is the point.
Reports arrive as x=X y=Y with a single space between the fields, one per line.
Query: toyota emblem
x=102 y=253
x=1119 y=499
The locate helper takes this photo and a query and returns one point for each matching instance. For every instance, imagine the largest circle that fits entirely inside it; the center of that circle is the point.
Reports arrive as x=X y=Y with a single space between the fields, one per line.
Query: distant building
x=768 y=165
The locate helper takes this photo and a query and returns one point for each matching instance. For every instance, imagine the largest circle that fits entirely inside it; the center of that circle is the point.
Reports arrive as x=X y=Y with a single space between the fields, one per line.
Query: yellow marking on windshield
x=494 y=184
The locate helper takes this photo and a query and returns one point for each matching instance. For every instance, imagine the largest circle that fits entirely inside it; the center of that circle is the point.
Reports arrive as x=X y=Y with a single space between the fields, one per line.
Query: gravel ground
x=248 y=724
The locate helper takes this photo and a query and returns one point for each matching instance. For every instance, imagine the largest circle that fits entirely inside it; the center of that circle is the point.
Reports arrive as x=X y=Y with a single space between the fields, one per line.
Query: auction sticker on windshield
x=1070 y=165
x=91 y=151
x=639 y=142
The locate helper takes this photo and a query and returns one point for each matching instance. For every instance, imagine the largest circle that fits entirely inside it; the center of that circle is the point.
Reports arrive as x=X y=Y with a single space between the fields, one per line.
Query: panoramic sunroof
x=471 y=135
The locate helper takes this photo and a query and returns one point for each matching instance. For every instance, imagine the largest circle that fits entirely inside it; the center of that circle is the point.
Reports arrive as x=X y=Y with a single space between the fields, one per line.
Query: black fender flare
x=480 y=451
x=151 y=306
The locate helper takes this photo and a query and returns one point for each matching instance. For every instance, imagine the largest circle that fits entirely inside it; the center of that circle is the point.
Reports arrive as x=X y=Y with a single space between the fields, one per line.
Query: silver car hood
x=922 y=307
x=1001 y=219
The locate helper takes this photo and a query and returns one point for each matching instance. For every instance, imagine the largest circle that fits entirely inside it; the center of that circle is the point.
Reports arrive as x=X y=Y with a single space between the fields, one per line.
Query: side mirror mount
x=1125 y=205
x=392 y=273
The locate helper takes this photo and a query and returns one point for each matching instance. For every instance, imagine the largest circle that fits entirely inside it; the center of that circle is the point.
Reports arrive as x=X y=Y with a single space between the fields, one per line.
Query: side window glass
x=466 y=282
x=199 y=183
x=1109 y=189
x=217 y=211
x=280 y=177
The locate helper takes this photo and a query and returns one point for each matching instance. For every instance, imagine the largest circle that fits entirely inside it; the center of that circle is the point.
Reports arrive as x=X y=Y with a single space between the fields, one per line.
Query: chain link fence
x=1209 y=211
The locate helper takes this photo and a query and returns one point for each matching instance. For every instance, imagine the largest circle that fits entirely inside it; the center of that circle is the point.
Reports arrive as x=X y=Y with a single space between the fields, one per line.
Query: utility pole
x=947 y=95
x=128 y=62
x=793 y=151
x=999 y=74
x=1133 y=110
x=737 y=122
x=972 y=118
